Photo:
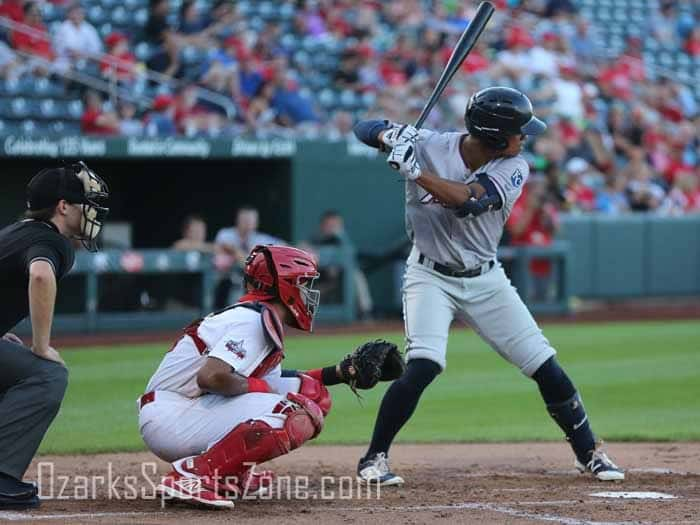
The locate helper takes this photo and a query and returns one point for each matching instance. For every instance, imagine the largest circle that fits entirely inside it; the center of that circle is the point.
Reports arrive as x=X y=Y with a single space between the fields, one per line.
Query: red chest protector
x=271 y=326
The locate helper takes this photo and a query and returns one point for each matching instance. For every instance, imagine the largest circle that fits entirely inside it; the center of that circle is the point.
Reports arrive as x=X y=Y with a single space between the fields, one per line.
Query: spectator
x=232 y=246
x=585 y=43
x=222 y=73
x=12 y=9
x=331 y=232
x=36 y=40
x=569 y=95
x=193 y=118
x=75 y=37
x=129 y=125
x=643 y=193
x=579 y=195
x=11 y=66
x=663 y=24
x=97 y=120
x=291 y=107
x=185 y=291
x=261 y=116
x=191 y=21
x=534 y=222
x=340 y=127
x=161 y=34
x=347 y=76
x=160 y=122
x=119 y=63
x=194 y=236
x=677 y=165
x=250 y=78
x=611 y=200
x=692 y=44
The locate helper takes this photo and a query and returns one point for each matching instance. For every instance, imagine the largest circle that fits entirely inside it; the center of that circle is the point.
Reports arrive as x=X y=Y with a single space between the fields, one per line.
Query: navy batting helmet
x=493 y=114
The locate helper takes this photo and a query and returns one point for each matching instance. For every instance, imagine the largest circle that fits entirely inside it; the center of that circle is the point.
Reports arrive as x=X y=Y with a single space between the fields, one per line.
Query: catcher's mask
x=77 y=184
x=288 y=274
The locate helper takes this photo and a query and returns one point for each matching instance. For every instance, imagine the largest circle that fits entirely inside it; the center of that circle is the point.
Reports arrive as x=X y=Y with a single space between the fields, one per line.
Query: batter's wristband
x=258 y=385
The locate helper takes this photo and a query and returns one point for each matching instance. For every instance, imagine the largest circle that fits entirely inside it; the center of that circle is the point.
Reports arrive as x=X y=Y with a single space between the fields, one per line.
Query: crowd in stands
x=233 y=244
x=623 y=136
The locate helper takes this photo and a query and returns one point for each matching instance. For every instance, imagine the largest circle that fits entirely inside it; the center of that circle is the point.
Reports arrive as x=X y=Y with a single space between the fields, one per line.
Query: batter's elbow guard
x=367 y=131
x=474 y=207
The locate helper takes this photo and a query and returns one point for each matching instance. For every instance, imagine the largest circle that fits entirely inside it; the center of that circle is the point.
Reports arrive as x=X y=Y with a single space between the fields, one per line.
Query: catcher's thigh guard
x=255 y=441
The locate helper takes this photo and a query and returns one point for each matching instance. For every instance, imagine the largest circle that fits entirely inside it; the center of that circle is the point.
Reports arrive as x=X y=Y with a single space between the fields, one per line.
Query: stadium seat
x=120 y=16
x=327 y=98
x=140 y=17
x=43 y=87
x=19 y=107
x=75 y=109
x=286 y=11
x=29 y=127
x=96 y=15
x=11 y=86
x=47 y=109
x=143 y=51
x=349 y=100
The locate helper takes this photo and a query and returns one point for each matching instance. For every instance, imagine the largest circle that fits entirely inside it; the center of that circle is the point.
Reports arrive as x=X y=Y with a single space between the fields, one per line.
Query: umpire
x=35 y=253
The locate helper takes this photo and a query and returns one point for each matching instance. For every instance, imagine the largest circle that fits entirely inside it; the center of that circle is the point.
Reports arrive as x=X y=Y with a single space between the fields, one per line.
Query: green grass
x=640 y=381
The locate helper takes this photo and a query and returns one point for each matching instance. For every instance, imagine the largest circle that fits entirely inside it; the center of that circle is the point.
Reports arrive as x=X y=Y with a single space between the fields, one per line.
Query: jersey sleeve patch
x=243 y=346
x=517 y=178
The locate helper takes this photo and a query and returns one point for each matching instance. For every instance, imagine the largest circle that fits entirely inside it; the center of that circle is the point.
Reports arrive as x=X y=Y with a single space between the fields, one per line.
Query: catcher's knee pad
x=316 y=392
x=304 y=419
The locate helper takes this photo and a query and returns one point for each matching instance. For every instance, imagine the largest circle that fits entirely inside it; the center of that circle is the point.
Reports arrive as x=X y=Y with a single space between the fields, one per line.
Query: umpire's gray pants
x=31 y=391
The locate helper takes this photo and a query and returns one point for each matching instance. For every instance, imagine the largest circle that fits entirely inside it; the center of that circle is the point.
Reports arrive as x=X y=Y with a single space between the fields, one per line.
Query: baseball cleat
x=256 y=484
x=601 y=466
x=191 y=490
x=17 y=495
x=375 y=469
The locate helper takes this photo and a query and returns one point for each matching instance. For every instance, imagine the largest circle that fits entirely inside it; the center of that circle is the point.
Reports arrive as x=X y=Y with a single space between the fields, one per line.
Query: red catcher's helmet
x=288 y=274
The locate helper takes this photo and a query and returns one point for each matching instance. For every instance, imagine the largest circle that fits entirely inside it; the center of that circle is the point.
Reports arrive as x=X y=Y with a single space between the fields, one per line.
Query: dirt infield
x=448 y=483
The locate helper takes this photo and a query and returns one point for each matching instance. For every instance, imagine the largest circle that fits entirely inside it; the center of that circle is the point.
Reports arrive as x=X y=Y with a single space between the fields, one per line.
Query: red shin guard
x=255 y=442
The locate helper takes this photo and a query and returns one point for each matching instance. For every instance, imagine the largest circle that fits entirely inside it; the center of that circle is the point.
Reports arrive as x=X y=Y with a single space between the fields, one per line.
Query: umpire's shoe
x=375 y=469
x=17 y=495
x=601 y=466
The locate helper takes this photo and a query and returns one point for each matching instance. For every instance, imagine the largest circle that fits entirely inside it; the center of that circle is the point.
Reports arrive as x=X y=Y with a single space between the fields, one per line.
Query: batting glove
x=403 y=158
x=399 y=133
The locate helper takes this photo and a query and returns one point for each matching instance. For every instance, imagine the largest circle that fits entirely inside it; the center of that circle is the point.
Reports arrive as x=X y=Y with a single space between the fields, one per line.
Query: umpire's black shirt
x=20 y=244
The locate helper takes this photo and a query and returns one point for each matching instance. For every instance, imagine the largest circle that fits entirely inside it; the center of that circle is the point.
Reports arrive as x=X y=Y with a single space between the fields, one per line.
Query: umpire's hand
x=12 y=338
x=50 y=354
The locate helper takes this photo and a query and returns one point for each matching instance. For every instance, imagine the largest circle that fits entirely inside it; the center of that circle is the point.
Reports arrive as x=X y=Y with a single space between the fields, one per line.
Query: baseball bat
x=459 y=53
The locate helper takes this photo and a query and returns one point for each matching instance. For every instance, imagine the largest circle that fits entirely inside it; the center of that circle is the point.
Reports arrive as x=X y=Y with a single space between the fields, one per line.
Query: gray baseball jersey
x=436 y=231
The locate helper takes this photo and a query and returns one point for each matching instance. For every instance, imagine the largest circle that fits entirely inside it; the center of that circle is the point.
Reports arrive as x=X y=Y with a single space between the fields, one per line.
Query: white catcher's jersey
x=235 y=336
x=436 y=231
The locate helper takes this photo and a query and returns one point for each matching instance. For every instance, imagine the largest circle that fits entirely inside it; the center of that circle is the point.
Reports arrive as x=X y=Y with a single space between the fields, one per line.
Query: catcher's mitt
x=370 y=363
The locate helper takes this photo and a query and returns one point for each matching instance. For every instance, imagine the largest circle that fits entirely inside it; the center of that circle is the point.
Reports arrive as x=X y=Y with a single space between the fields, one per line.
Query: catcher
x=220 y=403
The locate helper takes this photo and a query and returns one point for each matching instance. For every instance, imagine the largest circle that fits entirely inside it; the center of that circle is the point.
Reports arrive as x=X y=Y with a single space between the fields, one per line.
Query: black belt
x=451 y=272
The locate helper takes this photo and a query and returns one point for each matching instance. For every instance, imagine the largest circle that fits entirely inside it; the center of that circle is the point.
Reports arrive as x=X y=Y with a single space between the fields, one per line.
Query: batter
x=460 y=190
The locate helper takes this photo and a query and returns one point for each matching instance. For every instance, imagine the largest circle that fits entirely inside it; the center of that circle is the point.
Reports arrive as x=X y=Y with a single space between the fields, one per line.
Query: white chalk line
x=21 y=516
x=493 y=507
x=489 y=507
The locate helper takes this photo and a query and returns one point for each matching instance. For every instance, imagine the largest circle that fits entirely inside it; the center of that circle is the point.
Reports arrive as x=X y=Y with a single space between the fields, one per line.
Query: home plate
x=633 y=495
